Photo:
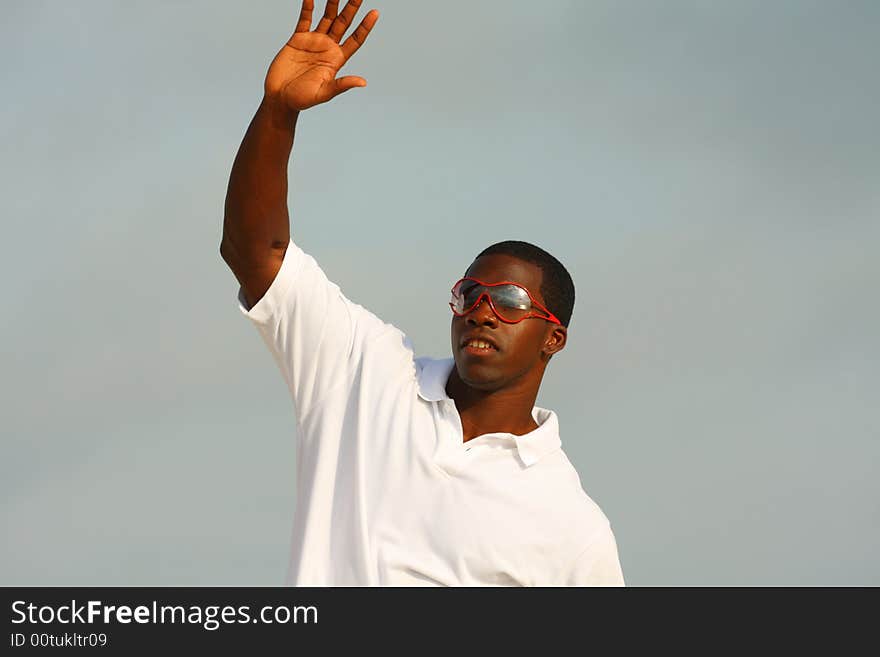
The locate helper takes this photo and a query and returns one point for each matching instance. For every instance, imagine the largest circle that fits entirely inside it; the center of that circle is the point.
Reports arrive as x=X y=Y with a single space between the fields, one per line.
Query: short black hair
x=557 y=288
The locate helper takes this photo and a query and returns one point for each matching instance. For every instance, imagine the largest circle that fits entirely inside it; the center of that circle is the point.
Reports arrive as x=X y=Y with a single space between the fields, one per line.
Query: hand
x=303 y=73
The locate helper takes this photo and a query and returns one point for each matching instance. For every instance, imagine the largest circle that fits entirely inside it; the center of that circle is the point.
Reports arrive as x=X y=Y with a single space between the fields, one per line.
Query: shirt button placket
x=452 y=452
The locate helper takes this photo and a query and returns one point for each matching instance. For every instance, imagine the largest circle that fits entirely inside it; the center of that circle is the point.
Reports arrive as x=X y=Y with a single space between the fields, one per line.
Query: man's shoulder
x=569 y=486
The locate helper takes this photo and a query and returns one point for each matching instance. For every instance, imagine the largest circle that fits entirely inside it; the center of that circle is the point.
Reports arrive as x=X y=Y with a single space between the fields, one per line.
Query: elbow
x=226 y=251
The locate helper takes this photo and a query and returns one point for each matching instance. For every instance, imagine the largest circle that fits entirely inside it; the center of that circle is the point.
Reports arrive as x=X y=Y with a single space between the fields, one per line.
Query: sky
x=707 y=171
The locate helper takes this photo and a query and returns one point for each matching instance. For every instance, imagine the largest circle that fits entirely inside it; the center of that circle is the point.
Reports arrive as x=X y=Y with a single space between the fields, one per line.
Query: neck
x=506 y=410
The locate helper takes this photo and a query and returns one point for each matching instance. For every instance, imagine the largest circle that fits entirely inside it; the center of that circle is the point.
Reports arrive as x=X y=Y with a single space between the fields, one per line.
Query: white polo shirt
x=388 y=492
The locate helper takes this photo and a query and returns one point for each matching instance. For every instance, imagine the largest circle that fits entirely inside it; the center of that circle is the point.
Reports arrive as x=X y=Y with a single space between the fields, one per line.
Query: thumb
x=348 y=82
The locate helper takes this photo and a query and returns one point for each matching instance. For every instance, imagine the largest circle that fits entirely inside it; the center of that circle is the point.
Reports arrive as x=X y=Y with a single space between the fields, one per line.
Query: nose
x=482 y=315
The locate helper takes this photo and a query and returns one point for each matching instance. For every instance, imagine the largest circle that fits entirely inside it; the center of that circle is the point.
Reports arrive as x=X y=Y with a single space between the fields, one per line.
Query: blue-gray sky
x=708 y=172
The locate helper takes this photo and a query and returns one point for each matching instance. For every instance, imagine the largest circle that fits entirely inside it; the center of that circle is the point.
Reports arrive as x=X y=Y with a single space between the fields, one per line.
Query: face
x=519 y=351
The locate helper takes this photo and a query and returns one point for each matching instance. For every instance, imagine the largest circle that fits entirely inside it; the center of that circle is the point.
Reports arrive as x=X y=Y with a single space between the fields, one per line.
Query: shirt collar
x=544 y=440
x=433 y=375
x=532 y=447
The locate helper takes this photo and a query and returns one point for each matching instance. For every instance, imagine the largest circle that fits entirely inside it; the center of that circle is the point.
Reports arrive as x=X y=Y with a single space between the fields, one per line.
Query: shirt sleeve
x=315 y=334
x=598 y=564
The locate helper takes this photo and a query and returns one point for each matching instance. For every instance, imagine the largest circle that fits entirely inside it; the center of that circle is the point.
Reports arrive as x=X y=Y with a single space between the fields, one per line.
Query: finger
x=345 y=83
x=329 y=16
x=305 y=16
x=356 y=40
x=340 y=25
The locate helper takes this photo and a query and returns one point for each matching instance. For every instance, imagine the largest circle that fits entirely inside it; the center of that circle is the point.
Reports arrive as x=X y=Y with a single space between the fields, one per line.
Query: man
x=409 y=471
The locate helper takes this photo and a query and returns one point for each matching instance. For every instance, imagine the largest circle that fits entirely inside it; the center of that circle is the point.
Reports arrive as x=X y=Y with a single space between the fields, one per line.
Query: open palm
x=303 y=73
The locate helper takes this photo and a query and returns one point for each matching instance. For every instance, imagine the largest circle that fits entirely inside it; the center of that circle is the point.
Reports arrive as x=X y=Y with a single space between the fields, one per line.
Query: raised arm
x=256 y=226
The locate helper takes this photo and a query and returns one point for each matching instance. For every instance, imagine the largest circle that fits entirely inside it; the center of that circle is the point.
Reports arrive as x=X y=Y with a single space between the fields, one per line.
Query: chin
x=480 y=377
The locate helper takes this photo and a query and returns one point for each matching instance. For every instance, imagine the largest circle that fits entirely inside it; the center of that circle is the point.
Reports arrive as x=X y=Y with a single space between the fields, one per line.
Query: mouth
x=478 y=346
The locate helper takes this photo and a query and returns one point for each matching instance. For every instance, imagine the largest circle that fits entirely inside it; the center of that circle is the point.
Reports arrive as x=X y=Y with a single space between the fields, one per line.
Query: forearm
x=256 y=219
x=256 y=226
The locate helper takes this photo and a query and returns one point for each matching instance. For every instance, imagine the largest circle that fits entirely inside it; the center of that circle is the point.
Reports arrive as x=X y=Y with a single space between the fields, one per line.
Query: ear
x=555 y=341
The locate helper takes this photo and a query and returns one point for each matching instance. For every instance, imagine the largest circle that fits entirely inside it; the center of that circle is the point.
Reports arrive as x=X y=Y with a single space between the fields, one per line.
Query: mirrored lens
x=510 y=297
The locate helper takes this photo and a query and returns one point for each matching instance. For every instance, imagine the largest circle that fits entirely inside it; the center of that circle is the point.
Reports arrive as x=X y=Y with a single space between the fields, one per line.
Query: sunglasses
x=511 y=302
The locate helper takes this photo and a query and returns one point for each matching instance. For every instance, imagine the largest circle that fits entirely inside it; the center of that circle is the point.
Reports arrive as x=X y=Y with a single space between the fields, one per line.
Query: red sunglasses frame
x=550 y=317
